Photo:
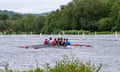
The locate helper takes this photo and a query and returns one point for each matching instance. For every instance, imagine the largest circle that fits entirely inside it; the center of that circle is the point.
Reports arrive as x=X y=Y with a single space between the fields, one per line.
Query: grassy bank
x=63 y=32
x=86 y=32
x=66 y=64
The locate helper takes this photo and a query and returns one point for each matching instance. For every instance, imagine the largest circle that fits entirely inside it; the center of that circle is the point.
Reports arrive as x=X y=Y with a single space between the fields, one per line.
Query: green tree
x=105 y=24
x=16 y=16
x=114 y=7
x=38 y=24
x=4 y=24
x=4 y=16
x=77 y=15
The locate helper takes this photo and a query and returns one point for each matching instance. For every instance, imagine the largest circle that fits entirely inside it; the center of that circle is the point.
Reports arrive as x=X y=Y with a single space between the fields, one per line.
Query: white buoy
x=83 y=35
x=31 y=33
x=63 y=33
x=40 y=35
x=116 y=36
x=59 y=34
x=1 y=35
x=95 y=33
x=78 y=35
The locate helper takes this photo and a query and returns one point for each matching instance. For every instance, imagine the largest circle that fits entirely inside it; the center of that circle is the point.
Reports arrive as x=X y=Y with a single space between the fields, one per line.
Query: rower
x=63 y=42
x=58 y=41
x=45 y=42
x=54 y=42
x=67 y=42
x=49 y=41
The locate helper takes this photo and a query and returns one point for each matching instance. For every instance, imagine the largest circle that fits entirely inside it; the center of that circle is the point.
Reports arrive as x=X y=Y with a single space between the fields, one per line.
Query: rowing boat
x=43 y=46
x=50 y=46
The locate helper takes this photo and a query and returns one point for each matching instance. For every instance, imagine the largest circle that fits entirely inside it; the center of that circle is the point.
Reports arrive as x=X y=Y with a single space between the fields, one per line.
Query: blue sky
x=32 y=6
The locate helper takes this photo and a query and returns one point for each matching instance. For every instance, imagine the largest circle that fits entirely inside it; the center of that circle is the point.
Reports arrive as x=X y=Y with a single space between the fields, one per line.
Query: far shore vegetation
x=67 y=32
x=66 y=64
x=101 y=16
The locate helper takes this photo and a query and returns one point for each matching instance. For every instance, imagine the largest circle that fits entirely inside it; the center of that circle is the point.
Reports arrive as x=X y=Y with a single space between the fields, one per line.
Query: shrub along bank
x=66 y=64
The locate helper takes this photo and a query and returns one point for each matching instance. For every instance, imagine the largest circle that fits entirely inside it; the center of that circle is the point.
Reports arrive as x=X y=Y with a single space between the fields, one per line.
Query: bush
x=67 y=64
x=73 y=65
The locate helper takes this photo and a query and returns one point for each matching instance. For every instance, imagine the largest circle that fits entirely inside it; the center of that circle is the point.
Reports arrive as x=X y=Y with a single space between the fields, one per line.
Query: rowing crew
x=56 y=42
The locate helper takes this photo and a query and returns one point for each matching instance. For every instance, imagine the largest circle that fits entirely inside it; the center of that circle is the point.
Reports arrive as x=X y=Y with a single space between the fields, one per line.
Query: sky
x=32 y=6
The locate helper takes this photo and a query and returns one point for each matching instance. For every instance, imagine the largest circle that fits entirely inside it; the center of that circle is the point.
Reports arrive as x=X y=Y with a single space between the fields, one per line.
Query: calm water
x=105 y=50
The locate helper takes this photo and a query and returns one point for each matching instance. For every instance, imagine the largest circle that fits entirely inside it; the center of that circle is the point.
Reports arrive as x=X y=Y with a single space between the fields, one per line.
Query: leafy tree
x=16 y=16
x=114 y=14
x=77 y=15
x=105 y=24
x=38 y=24
x=4 y=24
x=4 y=16
x=90 y=15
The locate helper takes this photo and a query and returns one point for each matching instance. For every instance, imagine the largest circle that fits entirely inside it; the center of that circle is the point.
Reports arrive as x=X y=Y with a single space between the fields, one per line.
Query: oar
x=35 y=46
x=80 y=45
x=26 y=47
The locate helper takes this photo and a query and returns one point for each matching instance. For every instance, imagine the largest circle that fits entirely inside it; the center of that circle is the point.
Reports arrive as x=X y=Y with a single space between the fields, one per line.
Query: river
x=105 y=50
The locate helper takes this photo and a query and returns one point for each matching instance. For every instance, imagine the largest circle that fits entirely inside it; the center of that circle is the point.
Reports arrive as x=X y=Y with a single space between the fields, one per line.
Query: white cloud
x=4 y=1
x=32 y=6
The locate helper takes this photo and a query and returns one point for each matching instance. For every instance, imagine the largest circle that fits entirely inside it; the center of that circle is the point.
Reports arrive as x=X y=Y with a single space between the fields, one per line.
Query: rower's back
x=67 y=42
x=49 y=41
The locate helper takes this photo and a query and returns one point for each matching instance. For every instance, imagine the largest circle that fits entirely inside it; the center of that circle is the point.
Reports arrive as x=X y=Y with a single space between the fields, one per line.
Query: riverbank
x=87 y=32
x=69 y=32
x=66 y=64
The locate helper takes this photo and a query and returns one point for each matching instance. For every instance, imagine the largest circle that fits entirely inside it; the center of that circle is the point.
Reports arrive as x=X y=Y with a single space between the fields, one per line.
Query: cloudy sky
x=32 y=6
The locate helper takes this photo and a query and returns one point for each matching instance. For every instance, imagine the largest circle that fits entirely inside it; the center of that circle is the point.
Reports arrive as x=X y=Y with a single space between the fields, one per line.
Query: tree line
x=90 y=15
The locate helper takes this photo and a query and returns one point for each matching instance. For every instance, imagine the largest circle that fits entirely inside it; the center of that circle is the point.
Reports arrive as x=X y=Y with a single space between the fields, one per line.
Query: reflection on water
x=105 y=50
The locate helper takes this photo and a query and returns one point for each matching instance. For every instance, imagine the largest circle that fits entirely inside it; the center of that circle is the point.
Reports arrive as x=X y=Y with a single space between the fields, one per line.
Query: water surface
x=105 y=50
